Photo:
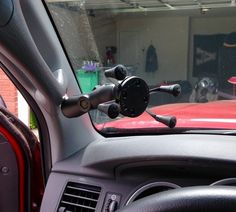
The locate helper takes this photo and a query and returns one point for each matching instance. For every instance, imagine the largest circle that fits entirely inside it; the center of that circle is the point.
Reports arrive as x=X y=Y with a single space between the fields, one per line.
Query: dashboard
x=111 y=173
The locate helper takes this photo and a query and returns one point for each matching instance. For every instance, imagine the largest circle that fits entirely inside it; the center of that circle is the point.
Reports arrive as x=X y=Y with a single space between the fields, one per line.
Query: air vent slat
x=79 y=198
x=82 y=189
x=78 y=205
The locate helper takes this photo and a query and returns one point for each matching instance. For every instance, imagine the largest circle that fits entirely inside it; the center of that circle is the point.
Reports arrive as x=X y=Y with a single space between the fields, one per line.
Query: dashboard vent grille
x=79 y=198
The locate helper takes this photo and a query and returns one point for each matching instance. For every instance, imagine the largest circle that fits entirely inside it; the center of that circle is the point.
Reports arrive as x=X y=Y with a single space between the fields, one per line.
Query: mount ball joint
x=119 y=72
x=132 y=96
x=77 y=106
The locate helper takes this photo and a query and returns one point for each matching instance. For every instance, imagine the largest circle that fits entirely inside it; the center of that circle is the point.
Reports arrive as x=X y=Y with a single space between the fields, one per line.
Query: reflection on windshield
x=192 y=43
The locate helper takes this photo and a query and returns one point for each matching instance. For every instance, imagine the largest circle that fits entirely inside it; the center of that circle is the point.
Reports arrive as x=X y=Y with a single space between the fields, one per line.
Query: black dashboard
x=113 y=172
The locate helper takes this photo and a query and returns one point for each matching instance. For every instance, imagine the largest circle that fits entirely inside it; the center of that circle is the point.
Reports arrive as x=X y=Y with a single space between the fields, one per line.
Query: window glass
x=192 y=43
x=14 y=102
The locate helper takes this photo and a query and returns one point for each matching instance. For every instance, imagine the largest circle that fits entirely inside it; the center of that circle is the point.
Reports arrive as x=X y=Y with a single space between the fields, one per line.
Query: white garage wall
x=211 y=25
x=104 y=29
x=170 y=38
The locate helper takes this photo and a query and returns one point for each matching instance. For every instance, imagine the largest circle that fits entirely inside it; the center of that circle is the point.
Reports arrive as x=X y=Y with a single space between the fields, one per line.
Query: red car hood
x=218 y=114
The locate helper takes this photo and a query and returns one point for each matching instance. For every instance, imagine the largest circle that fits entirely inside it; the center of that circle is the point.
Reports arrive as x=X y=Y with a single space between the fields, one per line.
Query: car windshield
x=191 y=43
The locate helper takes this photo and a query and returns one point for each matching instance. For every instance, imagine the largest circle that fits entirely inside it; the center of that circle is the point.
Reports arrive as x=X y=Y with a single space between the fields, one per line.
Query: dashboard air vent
x=79 y=197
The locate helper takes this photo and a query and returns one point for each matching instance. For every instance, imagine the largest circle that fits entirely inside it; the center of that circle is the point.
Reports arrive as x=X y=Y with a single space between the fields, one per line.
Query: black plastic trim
x=44 y=140
x=6 y=11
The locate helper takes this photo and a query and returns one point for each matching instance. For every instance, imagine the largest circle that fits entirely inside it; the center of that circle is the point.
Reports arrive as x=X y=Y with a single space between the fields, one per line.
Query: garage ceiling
x=149 y=5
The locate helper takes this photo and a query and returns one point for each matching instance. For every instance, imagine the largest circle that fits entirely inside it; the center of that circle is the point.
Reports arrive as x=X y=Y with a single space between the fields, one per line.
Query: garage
x=162 y=41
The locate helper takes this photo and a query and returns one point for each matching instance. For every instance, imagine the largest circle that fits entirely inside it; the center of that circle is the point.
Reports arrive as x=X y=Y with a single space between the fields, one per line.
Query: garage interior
x=127 y=28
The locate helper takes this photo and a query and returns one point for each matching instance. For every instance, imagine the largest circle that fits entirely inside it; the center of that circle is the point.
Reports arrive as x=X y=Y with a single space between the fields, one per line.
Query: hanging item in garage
x=151 y=59
x=227 y=61
x=110 y=55
x=206 y=54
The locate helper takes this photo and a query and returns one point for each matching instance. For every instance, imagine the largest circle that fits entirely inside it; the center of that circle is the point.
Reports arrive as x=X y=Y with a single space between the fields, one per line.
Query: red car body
x=217 y=115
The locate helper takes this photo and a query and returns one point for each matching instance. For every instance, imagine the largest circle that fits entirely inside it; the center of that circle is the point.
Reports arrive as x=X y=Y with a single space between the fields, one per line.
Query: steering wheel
x=197 y=198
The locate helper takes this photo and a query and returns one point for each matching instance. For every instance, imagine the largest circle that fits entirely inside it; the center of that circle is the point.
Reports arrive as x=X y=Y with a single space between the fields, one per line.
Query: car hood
x=216 y=115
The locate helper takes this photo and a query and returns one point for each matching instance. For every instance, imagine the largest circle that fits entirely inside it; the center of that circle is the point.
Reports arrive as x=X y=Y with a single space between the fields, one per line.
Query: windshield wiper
x=113 y=131
x=140 y=131
x=212 y=131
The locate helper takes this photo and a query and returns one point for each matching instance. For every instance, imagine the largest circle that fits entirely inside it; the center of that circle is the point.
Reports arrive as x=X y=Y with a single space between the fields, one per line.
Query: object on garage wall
x=206 y=54
x=227 y=60
x=232 y=81
x=230 y=40
x=110 y=55
x=151 y=59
